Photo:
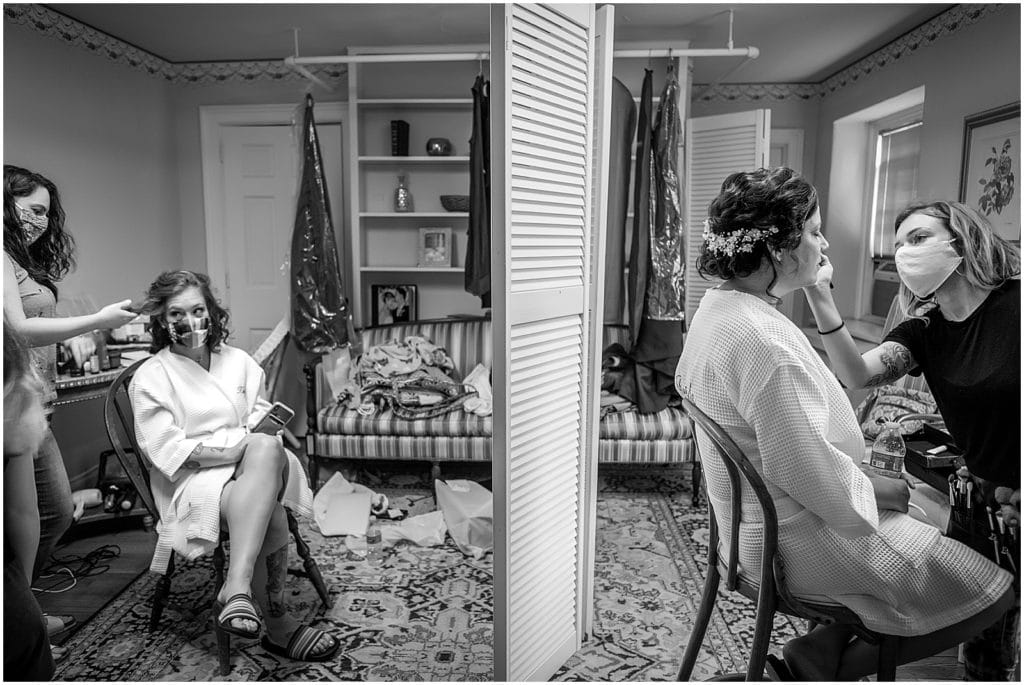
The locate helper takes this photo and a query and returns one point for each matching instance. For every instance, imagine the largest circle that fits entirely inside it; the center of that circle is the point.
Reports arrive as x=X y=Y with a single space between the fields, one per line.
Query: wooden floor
x=91 y=593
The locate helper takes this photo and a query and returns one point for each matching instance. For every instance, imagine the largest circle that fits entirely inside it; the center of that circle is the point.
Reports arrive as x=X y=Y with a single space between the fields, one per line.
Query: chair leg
x=223 y=643
x=888 y=657
x=700 y=625
x=762 y=636
x=218 y=566
x=308 y=562
x=160 y=595
x=314 y=472
x=695 y=476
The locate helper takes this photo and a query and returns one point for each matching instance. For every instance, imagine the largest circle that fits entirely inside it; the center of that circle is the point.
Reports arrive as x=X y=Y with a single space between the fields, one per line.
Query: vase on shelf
x=403 y=198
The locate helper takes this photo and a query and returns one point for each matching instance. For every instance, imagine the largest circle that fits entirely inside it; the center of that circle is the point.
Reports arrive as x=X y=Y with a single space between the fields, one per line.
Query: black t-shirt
x=973 y=370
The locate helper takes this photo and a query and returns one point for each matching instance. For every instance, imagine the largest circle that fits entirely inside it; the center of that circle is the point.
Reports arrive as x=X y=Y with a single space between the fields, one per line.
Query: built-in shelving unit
x=435 y=99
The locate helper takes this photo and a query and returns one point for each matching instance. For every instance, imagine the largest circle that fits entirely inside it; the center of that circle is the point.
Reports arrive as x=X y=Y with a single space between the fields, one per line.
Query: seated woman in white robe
x=844 y=535
x=195 y=403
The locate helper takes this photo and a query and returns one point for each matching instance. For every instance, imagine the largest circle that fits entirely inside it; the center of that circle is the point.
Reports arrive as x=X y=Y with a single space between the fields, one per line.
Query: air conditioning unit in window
x=885 y=284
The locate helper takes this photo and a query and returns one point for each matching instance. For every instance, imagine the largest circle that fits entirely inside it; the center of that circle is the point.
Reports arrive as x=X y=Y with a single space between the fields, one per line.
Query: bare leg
x=828 y=653
x=247 y=504
x=269 y=579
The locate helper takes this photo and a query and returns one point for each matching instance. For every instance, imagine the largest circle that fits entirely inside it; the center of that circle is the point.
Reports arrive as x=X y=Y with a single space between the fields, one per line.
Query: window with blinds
x=897 y=151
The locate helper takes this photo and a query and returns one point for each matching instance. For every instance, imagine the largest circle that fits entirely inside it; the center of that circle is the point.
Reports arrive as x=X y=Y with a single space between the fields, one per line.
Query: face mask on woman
x=34 y=226
x=190 y=332
x=925 y=267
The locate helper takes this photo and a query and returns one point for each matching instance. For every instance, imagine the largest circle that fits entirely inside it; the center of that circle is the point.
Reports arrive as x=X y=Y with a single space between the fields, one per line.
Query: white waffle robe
x=178 y=405
x=754 y=372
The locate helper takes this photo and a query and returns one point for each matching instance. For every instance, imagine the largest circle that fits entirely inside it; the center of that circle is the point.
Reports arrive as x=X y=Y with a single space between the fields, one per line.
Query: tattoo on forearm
x=277 y=571
x=897 y=361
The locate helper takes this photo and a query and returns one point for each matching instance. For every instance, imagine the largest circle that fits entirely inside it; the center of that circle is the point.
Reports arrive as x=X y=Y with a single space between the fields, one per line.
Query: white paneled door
x=717 y=146
x=541 y=142
x=261 y=166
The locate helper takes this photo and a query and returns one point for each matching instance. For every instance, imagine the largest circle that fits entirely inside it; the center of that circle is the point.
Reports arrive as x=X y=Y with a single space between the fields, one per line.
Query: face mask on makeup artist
x=925 y=267
x=190 y=331
x=33 y=226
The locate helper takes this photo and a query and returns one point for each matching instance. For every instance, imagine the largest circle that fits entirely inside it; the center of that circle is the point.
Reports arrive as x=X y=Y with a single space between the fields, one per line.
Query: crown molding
x=947 y=23
x=56 y=25
x=50 y=23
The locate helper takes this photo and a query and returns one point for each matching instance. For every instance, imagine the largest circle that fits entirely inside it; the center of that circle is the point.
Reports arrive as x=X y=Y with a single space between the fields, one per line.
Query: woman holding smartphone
x=196 y=404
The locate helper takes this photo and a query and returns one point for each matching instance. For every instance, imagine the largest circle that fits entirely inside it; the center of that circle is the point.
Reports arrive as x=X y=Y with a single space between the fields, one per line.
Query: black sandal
x=238 y=607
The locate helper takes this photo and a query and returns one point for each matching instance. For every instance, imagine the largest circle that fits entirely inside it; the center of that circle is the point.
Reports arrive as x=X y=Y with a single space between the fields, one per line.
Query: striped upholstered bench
x=337 y=433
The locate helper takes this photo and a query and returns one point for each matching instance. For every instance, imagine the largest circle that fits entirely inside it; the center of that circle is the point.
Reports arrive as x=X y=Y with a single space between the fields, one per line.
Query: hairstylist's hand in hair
x=114 y=315
x=891 y=493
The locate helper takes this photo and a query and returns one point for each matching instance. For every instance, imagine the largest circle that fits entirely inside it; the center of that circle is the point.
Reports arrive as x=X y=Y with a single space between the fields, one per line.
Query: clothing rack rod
x=749 y=52
x=410 y=57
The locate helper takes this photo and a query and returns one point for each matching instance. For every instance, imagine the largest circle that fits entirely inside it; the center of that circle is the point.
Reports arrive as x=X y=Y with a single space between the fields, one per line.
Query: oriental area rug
x=426 y=613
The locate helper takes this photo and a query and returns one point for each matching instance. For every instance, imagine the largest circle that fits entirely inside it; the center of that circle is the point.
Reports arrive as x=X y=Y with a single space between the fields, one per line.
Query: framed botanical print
x=991 y=167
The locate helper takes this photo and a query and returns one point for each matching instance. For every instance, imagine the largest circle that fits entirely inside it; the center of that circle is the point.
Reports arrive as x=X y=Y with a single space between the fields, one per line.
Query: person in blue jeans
x=39 y=252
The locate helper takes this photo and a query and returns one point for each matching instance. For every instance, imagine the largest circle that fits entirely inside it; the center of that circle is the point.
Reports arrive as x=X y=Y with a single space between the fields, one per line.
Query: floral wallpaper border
x=945 y=24
x=54 y=24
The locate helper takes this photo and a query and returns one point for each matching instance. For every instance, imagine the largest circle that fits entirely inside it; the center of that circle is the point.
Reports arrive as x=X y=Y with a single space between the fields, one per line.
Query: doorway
x=252 y=161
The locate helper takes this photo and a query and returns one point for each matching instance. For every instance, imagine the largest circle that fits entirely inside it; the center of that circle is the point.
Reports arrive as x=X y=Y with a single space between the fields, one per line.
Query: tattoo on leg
x=277 y=571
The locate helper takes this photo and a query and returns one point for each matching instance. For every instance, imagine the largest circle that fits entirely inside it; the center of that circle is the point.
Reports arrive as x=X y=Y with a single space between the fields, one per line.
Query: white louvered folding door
x=716 y=146
x=541 y=103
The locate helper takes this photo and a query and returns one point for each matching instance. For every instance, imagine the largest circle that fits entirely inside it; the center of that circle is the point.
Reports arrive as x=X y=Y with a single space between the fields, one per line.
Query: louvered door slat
x=543 y=196
x=716 y=146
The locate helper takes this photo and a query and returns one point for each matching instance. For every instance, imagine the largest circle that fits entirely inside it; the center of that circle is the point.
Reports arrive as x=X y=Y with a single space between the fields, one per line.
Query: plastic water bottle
x=888 y=451
x=374 y=545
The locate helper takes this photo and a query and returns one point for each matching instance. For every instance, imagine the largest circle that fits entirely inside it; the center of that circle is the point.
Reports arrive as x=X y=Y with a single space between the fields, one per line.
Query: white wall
x=103 y=133
x=975 y=69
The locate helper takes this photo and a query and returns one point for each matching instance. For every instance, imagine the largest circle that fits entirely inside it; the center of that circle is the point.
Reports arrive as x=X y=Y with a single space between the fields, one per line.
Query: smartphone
x=275 y=419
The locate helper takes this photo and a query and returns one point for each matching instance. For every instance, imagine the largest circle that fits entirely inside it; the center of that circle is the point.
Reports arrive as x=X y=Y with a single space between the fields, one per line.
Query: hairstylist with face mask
x=37 y=254
x=961 y=288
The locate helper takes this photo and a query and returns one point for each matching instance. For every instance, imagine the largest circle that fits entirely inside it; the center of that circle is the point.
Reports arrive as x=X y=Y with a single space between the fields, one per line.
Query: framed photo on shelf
x=435 y=247
x=990 y=168
x=392 y=304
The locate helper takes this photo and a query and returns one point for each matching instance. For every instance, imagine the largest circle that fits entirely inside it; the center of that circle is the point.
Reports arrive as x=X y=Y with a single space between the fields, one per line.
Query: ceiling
x=799 y=43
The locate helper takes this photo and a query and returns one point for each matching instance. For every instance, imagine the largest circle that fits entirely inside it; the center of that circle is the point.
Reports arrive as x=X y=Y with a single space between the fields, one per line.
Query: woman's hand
x=115 y=315
x=824 y=281
x=891 y=493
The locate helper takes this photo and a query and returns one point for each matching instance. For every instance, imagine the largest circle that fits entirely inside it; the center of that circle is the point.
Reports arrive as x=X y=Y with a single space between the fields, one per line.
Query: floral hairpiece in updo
x=740 y=240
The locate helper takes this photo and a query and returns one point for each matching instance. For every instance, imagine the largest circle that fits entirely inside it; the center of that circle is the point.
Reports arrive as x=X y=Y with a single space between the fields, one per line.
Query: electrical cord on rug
x=62 y=573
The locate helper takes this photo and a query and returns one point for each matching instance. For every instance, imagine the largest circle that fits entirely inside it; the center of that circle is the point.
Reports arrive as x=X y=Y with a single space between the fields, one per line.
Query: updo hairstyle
x=764 y=199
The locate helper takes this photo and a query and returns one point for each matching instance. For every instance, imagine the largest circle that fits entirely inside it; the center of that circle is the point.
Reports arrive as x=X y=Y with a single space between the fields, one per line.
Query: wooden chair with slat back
x=120 y=424
x=769 y=591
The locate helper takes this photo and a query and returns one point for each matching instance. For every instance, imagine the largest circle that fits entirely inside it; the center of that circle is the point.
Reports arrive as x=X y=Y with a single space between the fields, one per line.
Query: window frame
x=876 y=128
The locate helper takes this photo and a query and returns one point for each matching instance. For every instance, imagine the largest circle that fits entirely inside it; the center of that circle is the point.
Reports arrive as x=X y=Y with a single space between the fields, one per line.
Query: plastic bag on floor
x=425 y=530
x=343 y=508
x=468 y=509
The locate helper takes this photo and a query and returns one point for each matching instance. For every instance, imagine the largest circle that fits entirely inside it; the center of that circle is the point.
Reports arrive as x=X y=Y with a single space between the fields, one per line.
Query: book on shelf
x=399 y=138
